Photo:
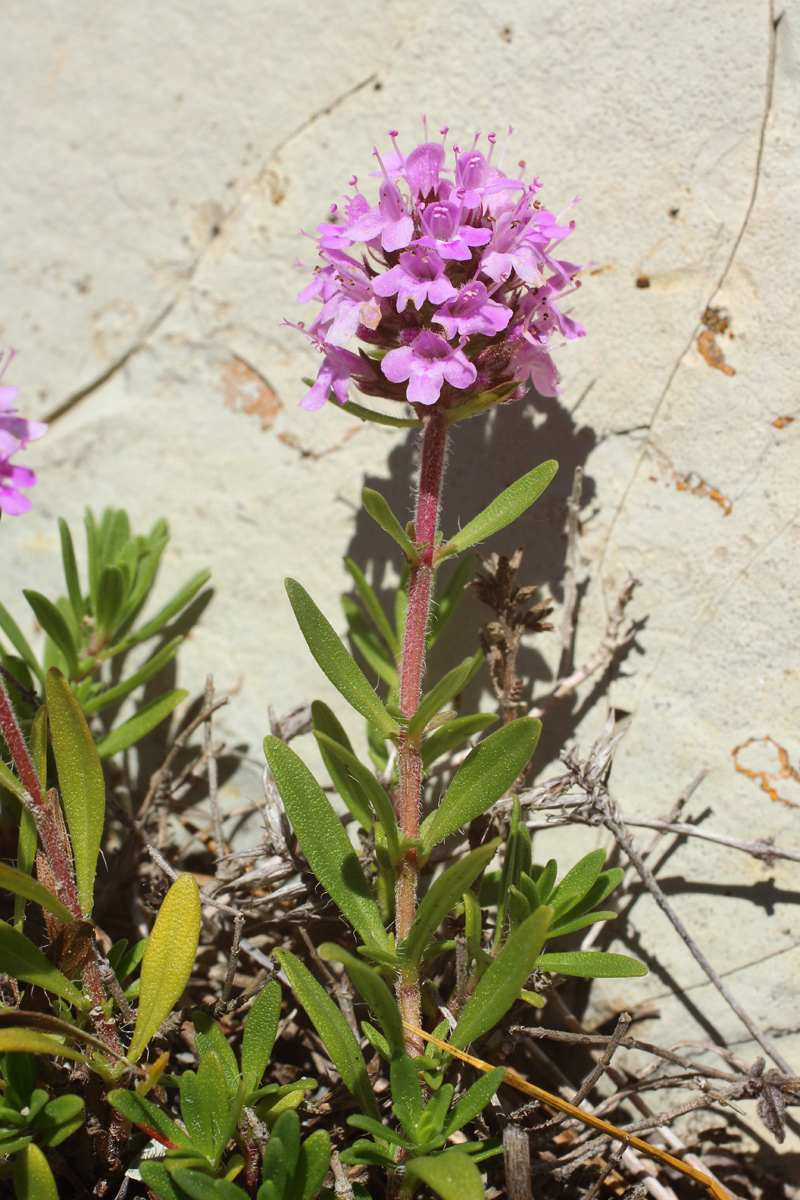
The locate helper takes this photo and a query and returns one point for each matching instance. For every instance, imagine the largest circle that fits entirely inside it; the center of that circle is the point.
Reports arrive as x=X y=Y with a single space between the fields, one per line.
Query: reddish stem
x=434 y=445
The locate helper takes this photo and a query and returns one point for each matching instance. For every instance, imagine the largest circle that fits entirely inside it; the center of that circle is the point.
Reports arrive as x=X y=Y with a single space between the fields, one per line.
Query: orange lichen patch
x=716 y=319
x=763 y=759
x=712 y=353
x=698 y=487
x=780 y=422
x=245 y=391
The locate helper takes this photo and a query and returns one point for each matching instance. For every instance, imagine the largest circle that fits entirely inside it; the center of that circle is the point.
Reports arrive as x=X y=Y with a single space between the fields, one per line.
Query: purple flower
x=471 y=311
x=426 y=363
x=419 y=276
x=450 y=284
x=15 y=433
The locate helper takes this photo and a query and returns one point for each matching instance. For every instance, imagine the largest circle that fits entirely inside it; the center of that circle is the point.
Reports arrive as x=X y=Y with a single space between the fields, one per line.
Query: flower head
x=15 y=433
x=456 y=288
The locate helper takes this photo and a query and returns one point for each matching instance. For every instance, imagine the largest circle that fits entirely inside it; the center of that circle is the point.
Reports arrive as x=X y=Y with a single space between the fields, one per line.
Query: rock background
x=159 y=163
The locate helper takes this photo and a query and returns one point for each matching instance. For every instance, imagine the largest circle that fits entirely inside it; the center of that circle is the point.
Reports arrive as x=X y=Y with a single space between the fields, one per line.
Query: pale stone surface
x=158 y=171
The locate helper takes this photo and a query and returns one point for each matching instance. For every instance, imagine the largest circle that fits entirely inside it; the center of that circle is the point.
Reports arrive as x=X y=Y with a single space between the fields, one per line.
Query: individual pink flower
x=418 y=276
x=15 y=433
x=471 y=311
x=426 y=363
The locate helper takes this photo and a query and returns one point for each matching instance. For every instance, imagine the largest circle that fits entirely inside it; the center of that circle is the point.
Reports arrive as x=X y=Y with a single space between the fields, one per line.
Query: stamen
x=492 y=139
x=444 y=132
x=505 y=147
x=393 y=134
x=425 y=126
x=375 y=154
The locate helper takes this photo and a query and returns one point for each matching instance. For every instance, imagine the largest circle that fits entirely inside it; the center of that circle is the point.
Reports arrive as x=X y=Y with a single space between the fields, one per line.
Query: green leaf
x=23 y=885
x=373 y=607
x=562 y=926
x=168 y=960
x=577 y=882
x=285 y=1139
x=336 y=1034
x=474 y=1100
x=378 y=1130
x=480 y=404
x=443 y=740
x=380 y=802
x=326 y=722
x=159 y=1181
x=23 y=960
x=378 y=508
x=120 y=690
x=80 y=777
x=442 y=895
x=434 y=700
x=71 y=570
x=406 y=1092
x=140 y=723
x=331 y=655
x=209 y=1037
x=92 y=549
x=260 y=1031
x=325 y=844
x=373 y=989
x=204 y=1187
x=170 y=609
x=55 y=626
x=482 y=778
x=591 y=964
x=504 y=509
x=369 y=644
x=60 y=1119
x=197 y=1113
x=500 y=986
x=110 y=595
x=516 y=861
x=14 y=634
x=603 y=886
x=313 y=1162
x=451 y=596
x=33 y=1179
x=369 y=414
x=30 y=1041
x=544 y=878
x=451 y=1174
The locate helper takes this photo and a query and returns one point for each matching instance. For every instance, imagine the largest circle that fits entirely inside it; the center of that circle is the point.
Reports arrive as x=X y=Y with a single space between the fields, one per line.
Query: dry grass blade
x=514 y=1080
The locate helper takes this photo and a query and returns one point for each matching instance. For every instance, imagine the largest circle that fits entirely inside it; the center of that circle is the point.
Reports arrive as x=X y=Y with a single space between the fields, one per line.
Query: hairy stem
x=434 y=444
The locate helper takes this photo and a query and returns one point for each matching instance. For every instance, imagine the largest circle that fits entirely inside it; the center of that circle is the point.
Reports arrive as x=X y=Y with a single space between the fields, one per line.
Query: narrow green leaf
x=14 y=634
x=159 y=1181
x=33 y=1179
x=443 y=740
x=80 y=777
x=369 y=414
x=168 y=960
x=23 y=885
x=92 y=549
x=120 y=690
x=60 y=1119
x=30 y=1041
x=482 y=778
x=209 y=1037
x=312 y=1166
x=434 y=700
x=260 y=1031
x=380 y=802
x=24 y=961
x=326 y=722
x=450 y=597
x=378 y=508
x=369 y=644
x=474 y=1100
x=544 y=878
x=562 y=926
x=331 y=655
x=480 y=404
x=204 y=1187
x=451 y=1174
x=110 y=595
x=197 y=1114
x=171 y=609
x=71 y=570
x=325 y=844
x=143 y=1112
x=577 y=882
x=442 y=895
x=373 y=989
x=336 y=1034
x=373 y=606
x=591 y=964
x=55 y=626
x=504 y=509
x=140 y=723
x=602 y=887
x=501 y=985
x=406 y=1091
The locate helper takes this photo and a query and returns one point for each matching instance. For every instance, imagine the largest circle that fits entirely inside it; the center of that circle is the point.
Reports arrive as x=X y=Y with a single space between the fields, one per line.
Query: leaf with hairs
x=15 y=881
x=146 y=672
x=260 y=1031
x=141 y=723
x=378 y=508
x=504 y=509
x=368 y=643
x=325 y=844
x=147 y=1115
x=373 y=989
x=373 y=606
x=434 y=700
x=445 y=739
x=451 y=1174
x=15 y=635
x=326 y=722
x=591 y=964
x=442 y=895
x=372 y=789
x=24 y=961
x=55 y=626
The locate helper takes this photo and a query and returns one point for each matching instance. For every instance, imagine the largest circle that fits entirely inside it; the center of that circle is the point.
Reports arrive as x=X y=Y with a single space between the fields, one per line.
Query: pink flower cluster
x=453 y=295
x=15 y=433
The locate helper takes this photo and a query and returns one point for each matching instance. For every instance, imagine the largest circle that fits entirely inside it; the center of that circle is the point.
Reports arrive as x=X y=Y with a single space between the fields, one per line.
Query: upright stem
x=434 y=445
